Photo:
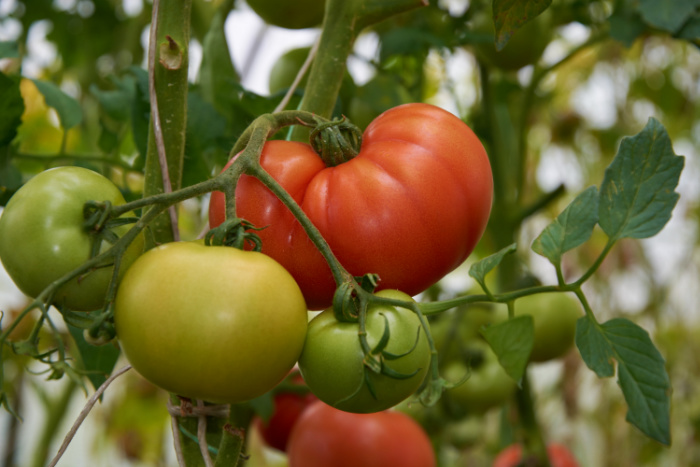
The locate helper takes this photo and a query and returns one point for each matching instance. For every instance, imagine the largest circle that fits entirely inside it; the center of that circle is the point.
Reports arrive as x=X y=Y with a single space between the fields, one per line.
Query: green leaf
x=691 y=30
x=217 y=73
x=570 y=229
x=641 y=371
x=206 y=146
x=626 y=27
x=511 y=15
x=9 y=49
x=116 y=102
x=407 y=41
x=68 y=109
x=479 y=269
x=140 y=114
x=98 y=361
x=11 y=108
x=669 y=15
x=637 y=195
x=512 y=342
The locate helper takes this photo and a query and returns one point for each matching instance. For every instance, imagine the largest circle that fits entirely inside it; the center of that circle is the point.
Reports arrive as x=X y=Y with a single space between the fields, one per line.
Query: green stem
x=233 y=439
x=342 y=23
x=339 y=273
x=168 y=71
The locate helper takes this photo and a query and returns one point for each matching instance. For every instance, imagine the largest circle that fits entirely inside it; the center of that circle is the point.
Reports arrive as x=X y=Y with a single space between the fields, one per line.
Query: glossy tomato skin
x=332 y=360
x=410 y=207
x=211 y=323
x=42 y=237
x=325 y=437
x=554 y=316
x=288 y=407
x=559 y=456
x=290 y=15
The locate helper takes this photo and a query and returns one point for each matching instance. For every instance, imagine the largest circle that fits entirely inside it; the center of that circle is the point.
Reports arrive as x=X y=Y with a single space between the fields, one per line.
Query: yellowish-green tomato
x=554 y=316
x=210 y=322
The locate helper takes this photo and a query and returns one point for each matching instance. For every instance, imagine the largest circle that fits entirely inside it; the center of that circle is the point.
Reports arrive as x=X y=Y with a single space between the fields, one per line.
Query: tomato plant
x=559 y=456
x=210 y=322
x=410 y=207
x=43 y=236
x=488 y=385
x=554 y=316
x=325 y=436
x=288 y=406
x=332 y=359
x=290 y=15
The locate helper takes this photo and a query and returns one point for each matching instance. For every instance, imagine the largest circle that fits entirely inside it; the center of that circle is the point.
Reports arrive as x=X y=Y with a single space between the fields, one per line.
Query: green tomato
x=332 y=360
x=524 y=47
x=299 y=14
x=488 y=385
x=42 y=237
x=210 y=322
x=554 y=316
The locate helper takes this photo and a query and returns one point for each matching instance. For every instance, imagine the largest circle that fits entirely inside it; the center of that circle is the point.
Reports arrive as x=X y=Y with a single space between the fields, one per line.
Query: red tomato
x=324 y=437
x=288 y=408
x=410 y=207
x=559 y=456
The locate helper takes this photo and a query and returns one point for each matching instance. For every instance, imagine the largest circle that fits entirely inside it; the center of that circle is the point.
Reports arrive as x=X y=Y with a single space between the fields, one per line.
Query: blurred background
x=583 y=107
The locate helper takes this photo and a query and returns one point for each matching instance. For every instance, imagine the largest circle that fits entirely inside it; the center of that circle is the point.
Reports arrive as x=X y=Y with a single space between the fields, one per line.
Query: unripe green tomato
x=298 y=14
x=332 y=362
x=488 y=385
x=554 y=316
x=43 y=238
x=524 y=47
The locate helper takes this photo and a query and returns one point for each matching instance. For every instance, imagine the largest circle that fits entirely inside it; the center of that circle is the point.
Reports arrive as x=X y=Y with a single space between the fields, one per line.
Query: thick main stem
x=343 y=22
x=170 y=74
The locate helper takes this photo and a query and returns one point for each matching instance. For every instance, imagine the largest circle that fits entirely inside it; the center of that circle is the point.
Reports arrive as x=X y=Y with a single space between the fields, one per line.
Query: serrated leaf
x=9 y=49
x=512 y=343
x=669 y=15
x=11 y=108
x=98 y=361
x=570 y=229
x=637 y=194
x=479 y=269
x=68 y=109
x=641 y=371
x=511 y=15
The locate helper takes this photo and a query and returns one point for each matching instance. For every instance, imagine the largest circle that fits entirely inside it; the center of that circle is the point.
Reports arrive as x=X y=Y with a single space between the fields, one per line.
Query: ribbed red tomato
x=410 y=207
x=325 y=437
